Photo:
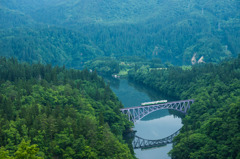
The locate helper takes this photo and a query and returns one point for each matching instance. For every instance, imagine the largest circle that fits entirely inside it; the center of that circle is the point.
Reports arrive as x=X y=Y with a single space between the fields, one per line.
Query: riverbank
x=155 y=126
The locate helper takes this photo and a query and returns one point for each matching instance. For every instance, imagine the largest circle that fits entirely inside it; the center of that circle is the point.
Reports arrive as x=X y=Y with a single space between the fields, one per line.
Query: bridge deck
x=172 y=102
x=138 y=112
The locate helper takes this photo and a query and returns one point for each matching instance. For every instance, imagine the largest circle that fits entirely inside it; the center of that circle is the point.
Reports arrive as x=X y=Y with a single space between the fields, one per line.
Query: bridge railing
x=137 y=113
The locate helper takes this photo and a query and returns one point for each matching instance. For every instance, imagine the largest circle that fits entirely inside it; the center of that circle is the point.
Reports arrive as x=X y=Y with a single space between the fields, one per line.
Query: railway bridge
x=137 y=113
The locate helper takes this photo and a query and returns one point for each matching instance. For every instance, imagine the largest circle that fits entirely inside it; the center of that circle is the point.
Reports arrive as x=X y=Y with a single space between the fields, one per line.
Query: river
x=157 y=125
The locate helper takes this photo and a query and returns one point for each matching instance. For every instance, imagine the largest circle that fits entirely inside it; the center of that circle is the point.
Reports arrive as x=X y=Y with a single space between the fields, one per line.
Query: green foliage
x=53 y=45
x=24 y=151
x=106 y=66
x=53 y=112
x=121 y=66
x=4 y=154
x=172 y=30
x=211 y=128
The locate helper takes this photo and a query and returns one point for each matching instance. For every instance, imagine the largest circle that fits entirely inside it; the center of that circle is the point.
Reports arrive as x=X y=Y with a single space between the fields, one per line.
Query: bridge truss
x=139 y=142
x=137 y=113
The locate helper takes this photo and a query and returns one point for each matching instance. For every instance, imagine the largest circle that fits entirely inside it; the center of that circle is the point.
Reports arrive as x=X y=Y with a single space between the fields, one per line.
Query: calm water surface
x=157 y=125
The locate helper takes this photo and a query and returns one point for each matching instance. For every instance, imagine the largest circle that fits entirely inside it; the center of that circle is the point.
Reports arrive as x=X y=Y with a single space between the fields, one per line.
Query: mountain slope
x=48 y=45
x=172 y=30
x=63 y=113
x=212 y=125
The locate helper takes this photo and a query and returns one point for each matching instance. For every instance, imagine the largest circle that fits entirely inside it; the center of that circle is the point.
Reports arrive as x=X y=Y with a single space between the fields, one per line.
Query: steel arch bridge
x=139 y=142
x=137 y=113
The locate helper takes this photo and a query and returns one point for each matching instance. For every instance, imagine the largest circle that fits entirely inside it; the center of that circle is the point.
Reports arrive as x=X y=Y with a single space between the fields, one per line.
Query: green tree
x=27 y=151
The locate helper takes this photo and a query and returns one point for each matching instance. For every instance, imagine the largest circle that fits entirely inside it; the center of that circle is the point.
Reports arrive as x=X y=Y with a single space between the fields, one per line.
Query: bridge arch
x=141 y=143
x=137 y=113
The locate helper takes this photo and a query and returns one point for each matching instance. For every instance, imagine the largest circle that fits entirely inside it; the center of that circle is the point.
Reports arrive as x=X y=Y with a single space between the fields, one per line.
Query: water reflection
x=142 y=143
x=156 y=125
x=133 y=94
x=151 y=93
x=114 y=82
x=154 y=153
x=157 y=128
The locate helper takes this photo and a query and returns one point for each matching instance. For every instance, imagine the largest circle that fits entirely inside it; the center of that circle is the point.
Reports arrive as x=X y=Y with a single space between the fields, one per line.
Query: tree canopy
x=212 y=125
x=49 y=112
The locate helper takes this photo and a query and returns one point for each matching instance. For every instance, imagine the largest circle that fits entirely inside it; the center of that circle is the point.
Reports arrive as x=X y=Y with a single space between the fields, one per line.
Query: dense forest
x=57 y=46
x=212 y=126
x=54 y=112
x=172 y=30
x=50 y=110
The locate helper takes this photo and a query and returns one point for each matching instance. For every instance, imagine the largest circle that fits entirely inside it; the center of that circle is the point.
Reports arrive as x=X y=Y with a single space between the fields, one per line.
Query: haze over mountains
x=75 y=31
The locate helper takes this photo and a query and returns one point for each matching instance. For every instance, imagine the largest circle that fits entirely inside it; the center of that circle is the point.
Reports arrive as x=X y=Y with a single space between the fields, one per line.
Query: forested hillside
x=57 y=46
x=212 y=126
x=53 y=112
x=59 y=113
x=172 y=30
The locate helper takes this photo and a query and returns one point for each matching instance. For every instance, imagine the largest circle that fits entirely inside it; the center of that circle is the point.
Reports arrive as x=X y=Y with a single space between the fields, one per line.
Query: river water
x=157 y=125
